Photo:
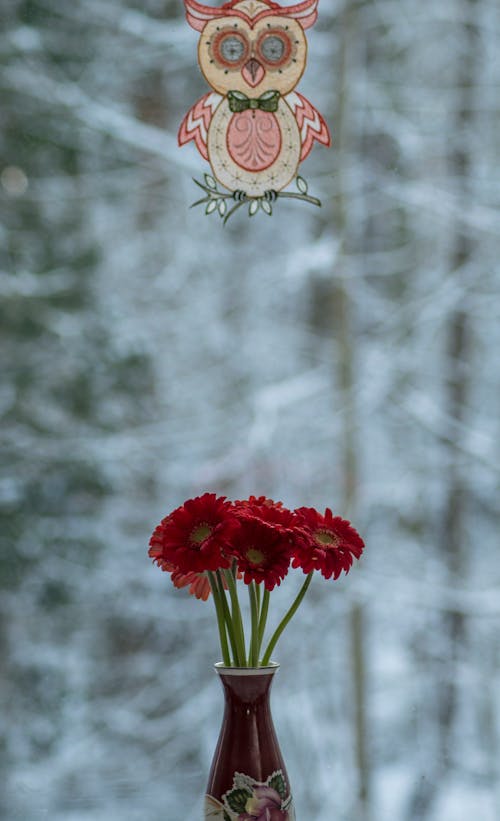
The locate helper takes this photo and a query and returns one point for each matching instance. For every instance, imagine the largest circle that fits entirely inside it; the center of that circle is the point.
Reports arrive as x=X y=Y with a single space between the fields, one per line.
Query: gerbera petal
x=199 y=586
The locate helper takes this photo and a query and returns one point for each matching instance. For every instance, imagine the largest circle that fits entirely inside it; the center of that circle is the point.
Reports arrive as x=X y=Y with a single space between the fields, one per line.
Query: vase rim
x=268 y=670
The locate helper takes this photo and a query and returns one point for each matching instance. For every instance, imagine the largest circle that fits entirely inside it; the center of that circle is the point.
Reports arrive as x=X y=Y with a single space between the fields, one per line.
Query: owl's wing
x=195 y=124
x=311 y=124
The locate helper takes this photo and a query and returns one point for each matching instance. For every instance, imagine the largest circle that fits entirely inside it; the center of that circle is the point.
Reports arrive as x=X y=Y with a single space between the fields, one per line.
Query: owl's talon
x=239 y=195
x=271 y=195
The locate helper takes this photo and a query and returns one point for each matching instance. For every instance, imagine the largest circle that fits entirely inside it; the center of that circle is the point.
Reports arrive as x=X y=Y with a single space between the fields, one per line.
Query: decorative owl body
x=254 y=151
x=253 y=128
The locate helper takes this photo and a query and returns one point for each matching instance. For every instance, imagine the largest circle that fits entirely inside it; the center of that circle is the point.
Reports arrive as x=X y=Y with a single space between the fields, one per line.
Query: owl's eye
x=232 y=48
x=275 y=48
x=272 y=48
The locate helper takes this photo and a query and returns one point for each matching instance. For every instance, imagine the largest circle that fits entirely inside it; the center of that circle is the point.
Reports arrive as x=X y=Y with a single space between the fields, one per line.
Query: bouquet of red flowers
x=210 y=543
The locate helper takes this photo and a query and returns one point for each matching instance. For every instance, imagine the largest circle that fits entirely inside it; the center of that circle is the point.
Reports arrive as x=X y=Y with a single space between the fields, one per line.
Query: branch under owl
x=217 y=200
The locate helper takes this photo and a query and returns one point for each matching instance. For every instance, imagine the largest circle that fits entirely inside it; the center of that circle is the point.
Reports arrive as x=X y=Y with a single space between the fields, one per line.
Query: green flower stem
x=237 y=621
x=263 y=616
x=227 y=617
x=220 y=620
x=253 y=653
x=257 y=591
x=283 y=623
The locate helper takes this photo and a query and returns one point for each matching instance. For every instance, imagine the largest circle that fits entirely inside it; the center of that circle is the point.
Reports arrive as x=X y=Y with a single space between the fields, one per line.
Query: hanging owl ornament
x=253 y=127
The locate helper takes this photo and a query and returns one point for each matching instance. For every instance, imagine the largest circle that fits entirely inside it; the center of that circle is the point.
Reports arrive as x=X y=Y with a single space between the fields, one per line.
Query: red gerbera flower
x=276 y=515
x=196 y=536
x=268 y=511
x=262 y=551
x=257 y=501
x=333 y=543
x=265 y=509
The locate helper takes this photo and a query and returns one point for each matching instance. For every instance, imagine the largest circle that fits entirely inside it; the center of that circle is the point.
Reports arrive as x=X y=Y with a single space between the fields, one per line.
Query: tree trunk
x=452 y=627
x=345 y=384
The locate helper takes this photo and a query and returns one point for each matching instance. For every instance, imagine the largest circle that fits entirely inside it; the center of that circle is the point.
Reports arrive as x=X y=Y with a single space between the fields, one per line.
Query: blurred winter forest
x=344 y=356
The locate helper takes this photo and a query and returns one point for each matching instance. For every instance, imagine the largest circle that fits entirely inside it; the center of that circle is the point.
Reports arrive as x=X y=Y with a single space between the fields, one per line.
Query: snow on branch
x=170 y=33
x=421 y=195
x=473 y=443
x=98 y=115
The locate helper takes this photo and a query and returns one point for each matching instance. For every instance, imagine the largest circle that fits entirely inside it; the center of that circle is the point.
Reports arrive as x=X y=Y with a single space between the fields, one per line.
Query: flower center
x=255 y=556
x=200 y=533
x=327 y=538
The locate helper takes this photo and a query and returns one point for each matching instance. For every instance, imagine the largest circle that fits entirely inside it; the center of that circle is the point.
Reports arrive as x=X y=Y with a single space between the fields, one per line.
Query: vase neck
x=247 y=689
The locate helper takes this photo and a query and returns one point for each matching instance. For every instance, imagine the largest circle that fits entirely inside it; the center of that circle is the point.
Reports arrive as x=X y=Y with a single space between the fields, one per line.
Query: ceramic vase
x=248 y=780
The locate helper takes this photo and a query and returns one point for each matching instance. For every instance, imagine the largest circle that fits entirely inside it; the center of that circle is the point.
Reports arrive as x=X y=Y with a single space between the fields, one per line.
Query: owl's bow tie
x=240 y=102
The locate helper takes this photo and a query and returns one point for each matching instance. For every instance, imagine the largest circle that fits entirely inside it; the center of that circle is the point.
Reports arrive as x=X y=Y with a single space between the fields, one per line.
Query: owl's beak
x=253 y=72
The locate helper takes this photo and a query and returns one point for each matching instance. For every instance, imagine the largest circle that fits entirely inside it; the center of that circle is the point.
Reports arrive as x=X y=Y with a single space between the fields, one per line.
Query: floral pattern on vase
x=250 y=800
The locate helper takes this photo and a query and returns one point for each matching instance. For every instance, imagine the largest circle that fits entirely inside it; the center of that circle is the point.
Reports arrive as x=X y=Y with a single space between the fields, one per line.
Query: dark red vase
x=248 y=780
